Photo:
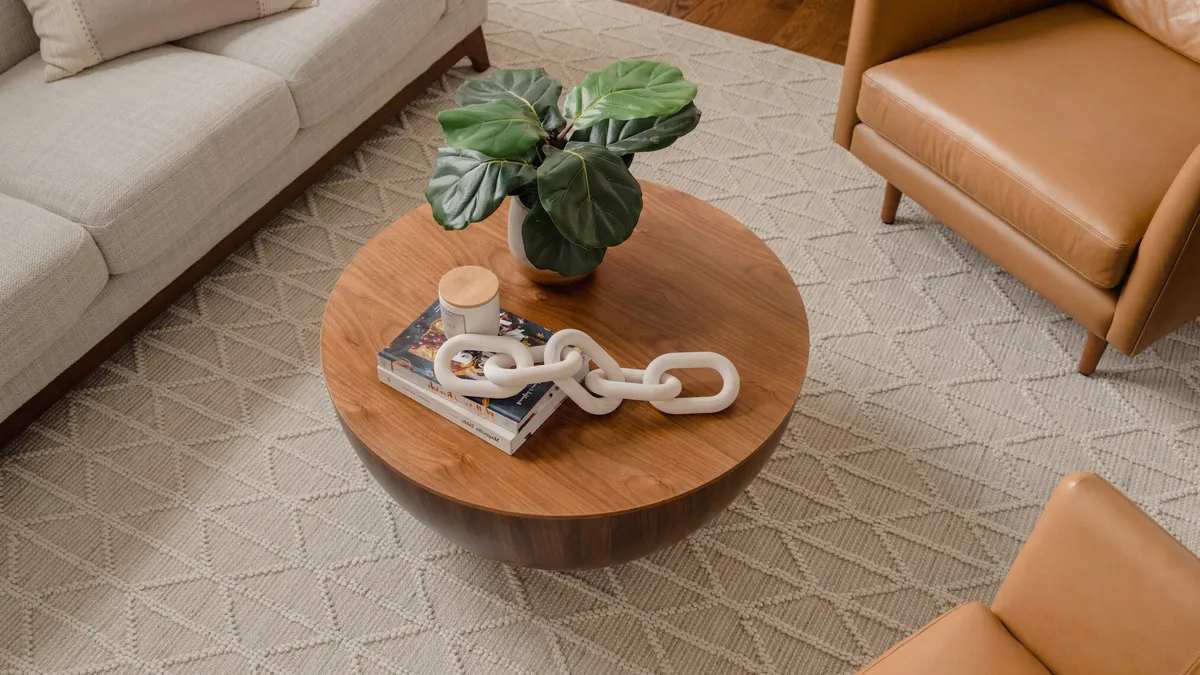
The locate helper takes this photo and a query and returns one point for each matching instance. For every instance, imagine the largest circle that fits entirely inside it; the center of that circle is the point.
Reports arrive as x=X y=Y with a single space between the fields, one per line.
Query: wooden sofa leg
x=476 y=49
x=1093 y=349
x=891 y=202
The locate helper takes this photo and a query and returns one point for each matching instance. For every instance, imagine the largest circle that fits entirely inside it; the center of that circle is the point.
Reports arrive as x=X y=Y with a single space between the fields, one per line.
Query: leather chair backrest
x=1100 y=589
x=1175 y=23
x=17 y=39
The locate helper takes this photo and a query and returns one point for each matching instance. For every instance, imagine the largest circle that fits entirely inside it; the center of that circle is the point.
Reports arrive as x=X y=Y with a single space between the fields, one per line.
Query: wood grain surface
x=468 y=286
x=819 y=28
x=691 y=278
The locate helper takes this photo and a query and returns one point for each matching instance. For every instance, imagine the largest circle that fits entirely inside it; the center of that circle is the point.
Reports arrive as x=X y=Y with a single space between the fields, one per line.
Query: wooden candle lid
x=469 y=286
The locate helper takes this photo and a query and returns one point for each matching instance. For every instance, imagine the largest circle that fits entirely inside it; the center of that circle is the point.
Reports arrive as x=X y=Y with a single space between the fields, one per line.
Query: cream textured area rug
x=194 y=508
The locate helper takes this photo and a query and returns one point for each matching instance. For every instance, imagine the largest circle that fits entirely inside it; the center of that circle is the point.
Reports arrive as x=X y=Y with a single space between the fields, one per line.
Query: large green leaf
x=467 y=186
x=501 y=128
x=590 y=194
x=628 y=90
x=642 y=135
x=547 y=249
x=532 y=88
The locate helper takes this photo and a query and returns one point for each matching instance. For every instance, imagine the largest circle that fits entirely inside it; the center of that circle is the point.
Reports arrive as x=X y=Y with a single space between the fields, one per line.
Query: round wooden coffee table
x=583 y=491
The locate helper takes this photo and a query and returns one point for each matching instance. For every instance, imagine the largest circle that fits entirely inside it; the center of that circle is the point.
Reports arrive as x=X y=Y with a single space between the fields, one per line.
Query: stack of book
x=406 y=365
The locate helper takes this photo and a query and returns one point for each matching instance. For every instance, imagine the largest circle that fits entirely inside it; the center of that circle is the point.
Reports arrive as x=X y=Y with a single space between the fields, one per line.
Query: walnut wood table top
x=691 y=278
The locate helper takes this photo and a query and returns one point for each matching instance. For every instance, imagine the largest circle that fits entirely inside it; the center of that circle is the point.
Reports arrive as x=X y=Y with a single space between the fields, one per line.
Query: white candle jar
x=469 y=297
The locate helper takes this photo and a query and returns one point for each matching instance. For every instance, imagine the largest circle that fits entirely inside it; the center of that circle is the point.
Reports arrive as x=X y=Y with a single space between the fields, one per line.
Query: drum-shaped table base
x=567 y=543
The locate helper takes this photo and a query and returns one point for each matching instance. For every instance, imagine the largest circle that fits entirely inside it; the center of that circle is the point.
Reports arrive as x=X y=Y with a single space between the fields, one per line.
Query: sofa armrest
x=883 y=30
x=1160 y=294
x=1101 y=589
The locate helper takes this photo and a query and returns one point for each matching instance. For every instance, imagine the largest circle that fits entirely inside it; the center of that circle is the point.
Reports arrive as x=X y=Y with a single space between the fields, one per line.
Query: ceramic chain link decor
x=512 y=369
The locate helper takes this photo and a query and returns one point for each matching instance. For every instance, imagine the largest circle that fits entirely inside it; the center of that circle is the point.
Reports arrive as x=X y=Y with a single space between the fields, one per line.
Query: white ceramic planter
x=516 y=246
x=516 y=220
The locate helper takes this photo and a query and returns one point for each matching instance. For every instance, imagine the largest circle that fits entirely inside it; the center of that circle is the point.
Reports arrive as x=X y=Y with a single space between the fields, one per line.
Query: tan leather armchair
x=1060 y=140
x=1099 y=589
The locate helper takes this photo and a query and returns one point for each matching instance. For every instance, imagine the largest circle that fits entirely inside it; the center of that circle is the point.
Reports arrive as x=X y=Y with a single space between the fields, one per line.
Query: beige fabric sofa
x=114 y=182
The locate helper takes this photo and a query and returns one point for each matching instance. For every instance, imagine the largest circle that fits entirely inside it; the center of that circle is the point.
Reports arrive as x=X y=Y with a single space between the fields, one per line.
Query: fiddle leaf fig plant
x=568 y=166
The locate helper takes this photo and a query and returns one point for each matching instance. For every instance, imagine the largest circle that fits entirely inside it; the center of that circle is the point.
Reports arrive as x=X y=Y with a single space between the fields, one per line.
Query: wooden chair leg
x=891 y=202
x=476 y=49
x=1093 y=349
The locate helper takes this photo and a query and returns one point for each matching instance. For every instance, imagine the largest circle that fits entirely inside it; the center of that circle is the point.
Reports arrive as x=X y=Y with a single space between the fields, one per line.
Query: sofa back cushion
x=1175 y=23
x=78 y=34
x=17 y=39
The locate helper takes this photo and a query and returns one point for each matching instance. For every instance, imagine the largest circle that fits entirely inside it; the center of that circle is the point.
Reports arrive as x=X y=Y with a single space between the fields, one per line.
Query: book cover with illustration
x=411 y=356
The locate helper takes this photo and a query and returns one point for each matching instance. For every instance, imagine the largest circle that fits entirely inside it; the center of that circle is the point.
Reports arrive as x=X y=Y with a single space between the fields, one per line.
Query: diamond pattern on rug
x=193 y=507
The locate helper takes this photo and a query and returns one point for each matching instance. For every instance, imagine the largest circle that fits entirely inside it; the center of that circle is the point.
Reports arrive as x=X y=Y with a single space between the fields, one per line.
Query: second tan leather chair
x=1058 y=139
x=1099 y=589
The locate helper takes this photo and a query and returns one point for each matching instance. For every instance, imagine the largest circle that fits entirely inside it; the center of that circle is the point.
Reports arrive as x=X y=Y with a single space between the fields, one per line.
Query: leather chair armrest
x=883 y=30
x=1101 y=589
x=1161 y=292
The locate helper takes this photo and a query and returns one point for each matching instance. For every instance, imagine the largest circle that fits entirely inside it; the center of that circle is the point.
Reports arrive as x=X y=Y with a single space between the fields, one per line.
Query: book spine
x=482 y=429
x=436 y=389
x=542 y=413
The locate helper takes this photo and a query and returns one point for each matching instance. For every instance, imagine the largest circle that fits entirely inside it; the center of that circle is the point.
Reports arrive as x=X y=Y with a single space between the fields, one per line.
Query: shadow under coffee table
x=583 y=491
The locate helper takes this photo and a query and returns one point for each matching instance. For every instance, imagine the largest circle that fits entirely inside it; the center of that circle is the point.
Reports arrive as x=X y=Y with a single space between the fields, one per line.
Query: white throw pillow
x=78 y=34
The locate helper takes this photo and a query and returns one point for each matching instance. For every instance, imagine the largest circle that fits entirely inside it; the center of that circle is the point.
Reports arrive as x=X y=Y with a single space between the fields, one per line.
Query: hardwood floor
x=819 y=28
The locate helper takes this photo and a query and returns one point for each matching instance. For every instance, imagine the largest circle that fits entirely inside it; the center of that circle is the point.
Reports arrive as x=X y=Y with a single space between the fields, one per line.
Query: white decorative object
x=512 y=368
x=730 y=382
x=469 y=297
x=522 y=356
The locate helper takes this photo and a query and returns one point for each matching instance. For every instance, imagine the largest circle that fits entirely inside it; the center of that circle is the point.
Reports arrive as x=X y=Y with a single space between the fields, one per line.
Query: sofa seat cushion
x=50 y=271
x=136 y=150
x=1068 y=123
x=330 y=53
x=967 y=640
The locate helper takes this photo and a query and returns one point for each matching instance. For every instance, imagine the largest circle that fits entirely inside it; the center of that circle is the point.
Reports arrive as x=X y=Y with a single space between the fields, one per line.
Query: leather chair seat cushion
x=967 y=640
x=1069 y=124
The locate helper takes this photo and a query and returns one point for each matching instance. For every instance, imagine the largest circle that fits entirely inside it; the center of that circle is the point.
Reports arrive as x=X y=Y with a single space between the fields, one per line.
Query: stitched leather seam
x=1163 y=291
x=1194 y=667
x=990 y=210
x=900 y=645
x=1042 y=196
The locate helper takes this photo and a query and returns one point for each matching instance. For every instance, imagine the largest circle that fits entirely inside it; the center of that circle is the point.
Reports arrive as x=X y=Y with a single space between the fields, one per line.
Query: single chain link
x=521 y=355
x=730 y=382
x=512 y=368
